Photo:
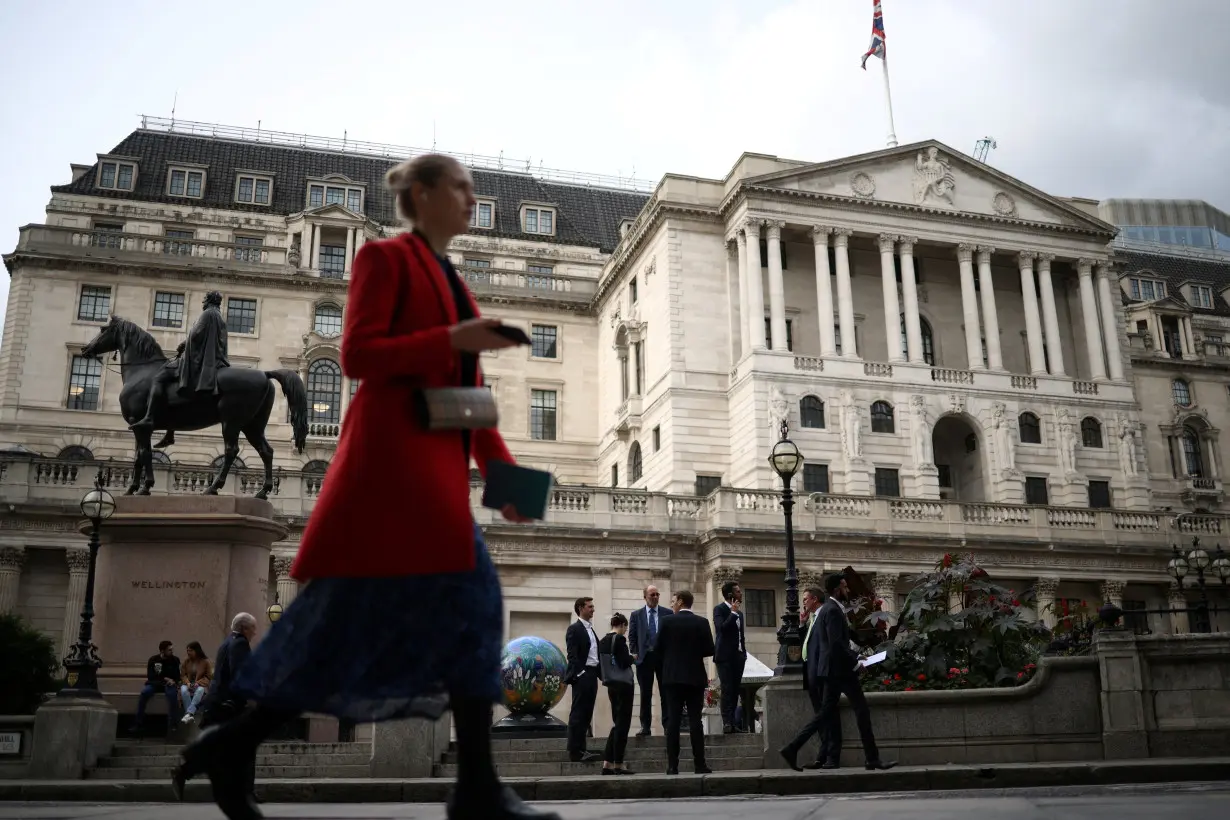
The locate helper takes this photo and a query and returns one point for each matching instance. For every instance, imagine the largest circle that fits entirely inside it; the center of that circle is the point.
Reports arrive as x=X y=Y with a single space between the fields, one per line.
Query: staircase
x=145 y=760
x=549 y=758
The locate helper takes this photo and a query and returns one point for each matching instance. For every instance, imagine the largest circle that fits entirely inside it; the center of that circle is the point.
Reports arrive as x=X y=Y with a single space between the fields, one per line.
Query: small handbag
x=612 y=672
x=456 y=408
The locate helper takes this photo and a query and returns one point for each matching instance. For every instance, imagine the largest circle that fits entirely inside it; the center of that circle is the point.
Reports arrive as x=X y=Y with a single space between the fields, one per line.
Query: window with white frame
x=328 y=320
x=538 y=220
x=94 y=304
x=168 y=309
x=114 y=175
x=253 y=190
x=1146 y=290
x=241 y=315
x=539 y=277
x=84 y=382
x=186 y=182
x=544 y=341
x=249 y=249
x=1202 y=296
x=543 y=415
x=347 y=196
x=483 y=215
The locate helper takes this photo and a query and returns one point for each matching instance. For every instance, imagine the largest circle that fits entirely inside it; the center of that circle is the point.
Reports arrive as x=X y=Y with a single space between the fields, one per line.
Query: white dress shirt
x=592 y=659
x=738 y=622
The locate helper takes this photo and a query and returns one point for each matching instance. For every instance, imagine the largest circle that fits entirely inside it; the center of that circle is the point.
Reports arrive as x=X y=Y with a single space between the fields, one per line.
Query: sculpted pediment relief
x=930 y=175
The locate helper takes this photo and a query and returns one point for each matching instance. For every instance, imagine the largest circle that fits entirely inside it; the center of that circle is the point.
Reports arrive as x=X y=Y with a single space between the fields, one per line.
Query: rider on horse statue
x=194 y=369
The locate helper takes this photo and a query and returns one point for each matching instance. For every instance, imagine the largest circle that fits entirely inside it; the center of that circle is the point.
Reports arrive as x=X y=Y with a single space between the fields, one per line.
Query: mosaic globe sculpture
x=532 y=674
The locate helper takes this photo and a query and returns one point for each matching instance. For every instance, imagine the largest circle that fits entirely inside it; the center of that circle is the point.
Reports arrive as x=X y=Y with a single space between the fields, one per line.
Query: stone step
x=309 y=760
x=128 y=748
x=262 y=772
x=570 y=769
x=499 y=744
x=560 y=754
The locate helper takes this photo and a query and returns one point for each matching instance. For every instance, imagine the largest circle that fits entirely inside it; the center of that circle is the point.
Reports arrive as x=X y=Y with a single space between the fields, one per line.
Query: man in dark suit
x=684 y=641
x=582 y=674
x=731 y=654
x=643 y=644
x=826 y=756
x=838 y=665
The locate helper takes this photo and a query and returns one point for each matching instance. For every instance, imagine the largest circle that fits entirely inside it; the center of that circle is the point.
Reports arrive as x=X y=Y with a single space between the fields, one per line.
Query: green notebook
x=527 y=489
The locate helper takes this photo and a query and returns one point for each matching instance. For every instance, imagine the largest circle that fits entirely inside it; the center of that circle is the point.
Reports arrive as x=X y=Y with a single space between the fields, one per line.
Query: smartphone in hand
x=513 y=334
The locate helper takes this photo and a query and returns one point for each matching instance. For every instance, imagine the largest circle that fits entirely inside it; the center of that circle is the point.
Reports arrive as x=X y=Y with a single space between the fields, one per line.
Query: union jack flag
x=877 y=34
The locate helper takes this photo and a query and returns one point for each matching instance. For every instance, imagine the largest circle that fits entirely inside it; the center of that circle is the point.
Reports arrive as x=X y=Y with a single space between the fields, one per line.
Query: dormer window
x=624 y=227
x=1146 y=290
x=1202 y=296
x=347 y=196
x=536 y=219
x=186 y=182
x=251 y=189
x=114 y=175
x=483 y=215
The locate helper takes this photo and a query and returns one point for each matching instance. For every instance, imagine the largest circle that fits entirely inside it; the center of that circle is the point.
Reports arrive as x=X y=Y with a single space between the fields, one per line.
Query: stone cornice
x=642 y=229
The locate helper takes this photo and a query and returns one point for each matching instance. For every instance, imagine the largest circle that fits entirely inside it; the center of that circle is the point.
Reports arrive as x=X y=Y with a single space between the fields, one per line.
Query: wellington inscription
x=168 y=584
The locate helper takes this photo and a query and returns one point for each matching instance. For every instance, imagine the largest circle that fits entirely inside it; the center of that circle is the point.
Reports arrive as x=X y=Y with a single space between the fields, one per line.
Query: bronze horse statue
x=242 y=404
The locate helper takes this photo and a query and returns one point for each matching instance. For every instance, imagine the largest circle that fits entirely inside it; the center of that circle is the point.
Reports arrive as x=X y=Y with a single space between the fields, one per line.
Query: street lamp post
x=274 y=612
x=786 y=461
x=1198 y=559
x=82 y=662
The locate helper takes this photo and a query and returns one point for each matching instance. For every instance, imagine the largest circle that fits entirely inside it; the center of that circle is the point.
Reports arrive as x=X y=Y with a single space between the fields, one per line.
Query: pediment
x=933 y=177
x=334 y=209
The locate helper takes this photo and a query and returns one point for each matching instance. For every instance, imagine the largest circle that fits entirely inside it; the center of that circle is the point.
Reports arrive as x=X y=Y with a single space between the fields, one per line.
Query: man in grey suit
x=643 y=644
x=838 y=666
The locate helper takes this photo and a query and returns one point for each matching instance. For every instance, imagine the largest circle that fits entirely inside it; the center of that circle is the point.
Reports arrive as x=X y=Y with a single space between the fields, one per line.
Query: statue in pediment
x=851 y=427
x=1129 y=441
x=1004 y=436
x=923 y=449
x=779 y=408
x=933 y=178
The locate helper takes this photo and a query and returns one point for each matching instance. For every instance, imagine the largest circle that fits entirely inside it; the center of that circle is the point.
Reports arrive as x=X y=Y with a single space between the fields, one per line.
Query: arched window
x=328 y=320
x=928 y=340
x=882 y=418
x=1031 y=428
x=160 y=457
x=75 y=452
x=1192 y=459
x=1091 y=432
x=324 y=392
x=317 y=466
x=1182 y=393
x=634 y=463
x=811 y=412
x=237 y=464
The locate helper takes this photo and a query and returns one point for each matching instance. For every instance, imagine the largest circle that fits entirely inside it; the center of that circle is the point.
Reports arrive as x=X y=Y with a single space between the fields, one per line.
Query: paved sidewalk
x=1160 y=802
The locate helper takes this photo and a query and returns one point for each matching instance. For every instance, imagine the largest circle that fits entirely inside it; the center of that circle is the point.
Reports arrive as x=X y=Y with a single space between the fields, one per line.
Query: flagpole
x=888 y=102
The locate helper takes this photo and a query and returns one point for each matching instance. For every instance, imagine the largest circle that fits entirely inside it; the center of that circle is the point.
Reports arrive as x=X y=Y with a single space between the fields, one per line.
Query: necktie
x=653 y=626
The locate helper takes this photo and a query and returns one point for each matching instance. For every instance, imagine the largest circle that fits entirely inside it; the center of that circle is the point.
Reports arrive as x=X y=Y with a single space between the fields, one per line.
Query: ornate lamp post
x=1198 y=559
x=82 y=662
x=787 y=461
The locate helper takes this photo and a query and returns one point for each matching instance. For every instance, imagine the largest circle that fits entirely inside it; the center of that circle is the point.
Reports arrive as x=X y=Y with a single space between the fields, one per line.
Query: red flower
x=922 y=677
x=1015 y=602
x=886 y=682
x=947 y=562
x=965 y=671
x=897 y=676
x=1083 y=605
x=909 y=688
x=1020 y=675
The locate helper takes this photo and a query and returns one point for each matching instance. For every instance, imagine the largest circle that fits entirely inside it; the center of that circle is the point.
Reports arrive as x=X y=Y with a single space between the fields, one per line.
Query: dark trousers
x=645 y=674
x=222 y=712
x=151 y=689
x=828 y=750
x=730 y=678
x=584 y=696
x=829 y=718
x=621 y=713
x=679 y=697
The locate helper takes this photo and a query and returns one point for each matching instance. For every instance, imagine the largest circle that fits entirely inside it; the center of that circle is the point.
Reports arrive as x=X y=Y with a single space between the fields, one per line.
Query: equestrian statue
x=206 y=391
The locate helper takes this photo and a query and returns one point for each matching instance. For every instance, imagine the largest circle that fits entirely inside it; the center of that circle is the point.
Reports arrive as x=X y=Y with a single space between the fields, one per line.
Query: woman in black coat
x=618 y=675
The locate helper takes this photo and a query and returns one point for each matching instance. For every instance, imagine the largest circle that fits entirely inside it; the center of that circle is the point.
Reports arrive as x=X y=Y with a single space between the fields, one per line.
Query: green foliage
x=958 y=630
x=29 y=667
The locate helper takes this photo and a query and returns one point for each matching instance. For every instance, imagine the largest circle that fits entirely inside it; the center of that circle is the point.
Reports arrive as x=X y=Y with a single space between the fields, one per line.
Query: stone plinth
x=409 y=748
x=178 y=568
x=70 y=734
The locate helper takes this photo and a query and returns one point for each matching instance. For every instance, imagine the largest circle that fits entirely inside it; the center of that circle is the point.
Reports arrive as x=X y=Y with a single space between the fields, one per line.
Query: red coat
x=397 y=497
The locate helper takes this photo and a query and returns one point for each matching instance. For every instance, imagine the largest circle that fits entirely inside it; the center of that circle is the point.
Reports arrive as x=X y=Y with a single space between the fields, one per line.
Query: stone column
x=810 y=577
x=777 y=286
x=845 y=294
x=78 y=574
x=288 y=587
x=824 y=291
x=314 y=259
x=969 y=307
x=11 y=561
x=990 y=317
x=892 y=311
x=349 y=248
x=1110 y=325
x=744 y=340
x=1089 y=312
x=1112 y=592
x=755 y=286
x=1046 y=589
x=360 y=237
x=1185 y=349
x=909 y=297
x=1215 y=470
x=1050 y=319
x=885 y=586
x=1177 y=601
x=1186 y=325
x=1033 y=323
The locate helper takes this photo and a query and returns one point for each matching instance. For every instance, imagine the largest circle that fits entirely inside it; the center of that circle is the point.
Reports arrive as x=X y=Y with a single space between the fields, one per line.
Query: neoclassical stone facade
x=947 y=345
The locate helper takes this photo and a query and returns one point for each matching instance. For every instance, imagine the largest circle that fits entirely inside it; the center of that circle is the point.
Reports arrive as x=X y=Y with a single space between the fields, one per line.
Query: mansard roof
x=1177 y=271
x=586 y=215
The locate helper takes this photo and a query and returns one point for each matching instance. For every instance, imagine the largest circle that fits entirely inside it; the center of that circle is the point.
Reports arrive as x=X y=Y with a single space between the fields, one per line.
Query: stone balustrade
x=134 y=247
x=528 y=285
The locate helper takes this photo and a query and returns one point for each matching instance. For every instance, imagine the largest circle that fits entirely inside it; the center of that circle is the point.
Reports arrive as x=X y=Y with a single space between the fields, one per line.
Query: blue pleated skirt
x=371 y=649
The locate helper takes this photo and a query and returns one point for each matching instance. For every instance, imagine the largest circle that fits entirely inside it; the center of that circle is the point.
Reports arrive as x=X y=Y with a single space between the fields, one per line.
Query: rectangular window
x=543 y=412
x=94 y=304
x=706 y=484
x=354 y=200
x=107 y=235
x=1035 y=490
x=768 y=334
x=614 y=475
x=1202 y=297
x=480 y=217
x=477 y=263
x=539 y=220
x=186 y=183
x=1147 y=289
x=945 y=475
x=761 y=607
x=539 y=277
x=316 y=196
x=632 y=294
x=168 y=309
x=250 y=248
x=332 y=261
x=116 y=176
x=241 y=315
x=253 y=190
x=84 y=381
x=815 y=478
x=334 y=196
x=1134 y=617
x=1099 y=495
x=543 y=340
x=657 y=439
x=888 y=482
x=178 y=248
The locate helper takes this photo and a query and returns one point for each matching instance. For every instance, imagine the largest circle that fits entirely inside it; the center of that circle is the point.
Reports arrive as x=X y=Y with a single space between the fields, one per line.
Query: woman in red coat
x=403 y=616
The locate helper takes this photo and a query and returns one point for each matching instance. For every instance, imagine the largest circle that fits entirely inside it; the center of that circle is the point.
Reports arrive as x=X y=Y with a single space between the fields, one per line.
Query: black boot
x=157 y=400
x=166 y=441
x=226 y=755
x=478 y=794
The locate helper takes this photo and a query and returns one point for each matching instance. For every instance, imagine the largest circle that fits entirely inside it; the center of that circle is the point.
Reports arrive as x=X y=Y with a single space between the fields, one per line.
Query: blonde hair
x=425 y=170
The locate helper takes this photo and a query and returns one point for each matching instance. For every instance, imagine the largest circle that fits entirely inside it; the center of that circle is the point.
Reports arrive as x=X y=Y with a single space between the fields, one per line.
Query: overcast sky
x=1113 y=98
